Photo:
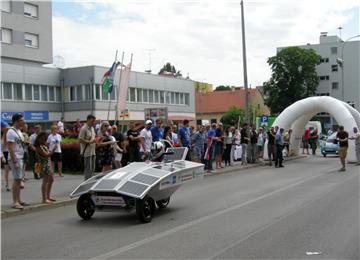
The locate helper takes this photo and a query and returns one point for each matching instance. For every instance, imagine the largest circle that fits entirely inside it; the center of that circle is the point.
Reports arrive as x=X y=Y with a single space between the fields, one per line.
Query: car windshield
x=331 y=138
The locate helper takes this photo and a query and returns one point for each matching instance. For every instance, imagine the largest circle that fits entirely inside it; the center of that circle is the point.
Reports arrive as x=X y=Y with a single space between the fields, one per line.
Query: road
x=305 y=208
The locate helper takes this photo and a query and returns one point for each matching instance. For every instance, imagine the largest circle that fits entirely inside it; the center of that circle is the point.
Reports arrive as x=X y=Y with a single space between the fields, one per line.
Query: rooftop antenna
x=340 y=28
x=149 y=50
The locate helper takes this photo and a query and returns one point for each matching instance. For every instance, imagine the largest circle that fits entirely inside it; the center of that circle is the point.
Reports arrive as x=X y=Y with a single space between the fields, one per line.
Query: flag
x=208 y=149
x=107 y=80
x=123 y=87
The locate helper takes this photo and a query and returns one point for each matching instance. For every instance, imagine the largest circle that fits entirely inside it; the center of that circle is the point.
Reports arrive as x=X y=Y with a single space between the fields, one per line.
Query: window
x=28 y=92
x=162 y=97
x=151 y=96
x=58 y=94
x=43 y=92
x=177 y=98
x=132 y=95
x=105 y=95
x=335 y=85
x=87 y=92
x=168 y=94
x=181 y=98
x=31 y=40
x=324 y=60
x=79 y=93
x=36 y=92
x=5 y=6
x=18 y=93
x=187 y=99
x=7 y=91
x=51 y=93
x=72 y=93
x=156 y=96
x=6 y=35
x=172 y=97
x=324 y=77
x=145 y=95
x=139 y=95
x=30 y=10
x=97 y=91
x=334 y=67
x=333 y=50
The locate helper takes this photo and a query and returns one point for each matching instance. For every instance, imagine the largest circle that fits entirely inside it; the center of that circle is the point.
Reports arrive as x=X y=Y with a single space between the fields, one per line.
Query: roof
x=221 y=101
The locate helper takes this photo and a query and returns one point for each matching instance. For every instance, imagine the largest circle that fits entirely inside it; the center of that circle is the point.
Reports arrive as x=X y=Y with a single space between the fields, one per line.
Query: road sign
x=264 y=120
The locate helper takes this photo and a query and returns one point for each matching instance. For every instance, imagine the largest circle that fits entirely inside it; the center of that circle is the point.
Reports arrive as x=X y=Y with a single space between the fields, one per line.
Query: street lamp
x=246 y=98
x=340 y=61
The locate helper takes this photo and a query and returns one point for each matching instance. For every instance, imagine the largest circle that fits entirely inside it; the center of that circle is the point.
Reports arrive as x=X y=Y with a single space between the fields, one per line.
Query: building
x=338 y=71
x=211 y=106
x=44 y=94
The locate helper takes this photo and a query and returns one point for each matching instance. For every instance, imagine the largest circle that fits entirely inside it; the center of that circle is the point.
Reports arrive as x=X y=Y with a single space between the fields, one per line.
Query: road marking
x=198 y=221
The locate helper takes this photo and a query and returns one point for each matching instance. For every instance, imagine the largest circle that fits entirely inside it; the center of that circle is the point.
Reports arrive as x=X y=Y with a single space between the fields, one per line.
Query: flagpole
x=108 y=114
x=118 y=90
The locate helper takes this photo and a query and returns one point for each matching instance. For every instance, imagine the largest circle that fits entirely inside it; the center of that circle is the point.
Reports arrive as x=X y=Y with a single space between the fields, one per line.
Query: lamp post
x=341 y=63
x=246 y=98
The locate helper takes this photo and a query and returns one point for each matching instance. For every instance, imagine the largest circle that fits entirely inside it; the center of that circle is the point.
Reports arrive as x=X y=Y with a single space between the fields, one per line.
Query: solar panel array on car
x=133 y=188
x=83 y=188
x=143 y=178
x=107 y=184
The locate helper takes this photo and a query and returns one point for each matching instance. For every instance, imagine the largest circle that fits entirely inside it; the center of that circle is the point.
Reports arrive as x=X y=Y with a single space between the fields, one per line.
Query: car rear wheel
x=85 y=207
x=162 y=204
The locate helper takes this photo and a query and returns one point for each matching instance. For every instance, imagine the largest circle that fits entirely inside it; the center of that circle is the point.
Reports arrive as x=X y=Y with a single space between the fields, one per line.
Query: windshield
x=331 y=138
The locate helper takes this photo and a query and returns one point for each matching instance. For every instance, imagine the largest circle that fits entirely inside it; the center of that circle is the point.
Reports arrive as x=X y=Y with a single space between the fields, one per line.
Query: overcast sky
x=202 y=38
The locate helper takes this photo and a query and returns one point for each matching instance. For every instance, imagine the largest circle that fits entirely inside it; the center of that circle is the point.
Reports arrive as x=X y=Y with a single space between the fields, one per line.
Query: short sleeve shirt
x=87 y=133
x=14 y=135
x=133 y=133
x=54 y=142
x=185 y=136
x=157 y=133
x=343 y=135
x=146 y=134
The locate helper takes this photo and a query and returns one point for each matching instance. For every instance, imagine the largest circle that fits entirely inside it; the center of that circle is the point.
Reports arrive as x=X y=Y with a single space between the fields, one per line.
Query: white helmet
x=157 y=150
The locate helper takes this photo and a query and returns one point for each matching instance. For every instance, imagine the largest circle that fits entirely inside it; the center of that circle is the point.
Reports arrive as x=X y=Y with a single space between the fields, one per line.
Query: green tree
x=170 y=68
x=293 y=77
x=222 y=87
x=232 y=117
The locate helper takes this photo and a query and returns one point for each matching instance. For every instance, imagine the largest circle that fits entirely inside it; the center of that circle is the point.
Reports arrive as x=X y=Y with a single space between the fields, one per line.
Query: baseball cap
x=148 y=122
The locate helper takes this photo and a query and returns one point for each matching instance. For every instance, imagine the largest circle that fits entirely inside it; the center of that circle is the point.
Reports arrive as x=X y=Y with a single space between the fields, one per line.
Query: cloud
x=202 y=38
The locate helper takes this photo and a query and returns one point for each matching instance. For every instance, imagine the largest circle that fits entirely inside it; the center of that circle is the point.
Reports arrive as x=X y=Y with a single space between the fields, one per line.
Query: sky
x=201 y=38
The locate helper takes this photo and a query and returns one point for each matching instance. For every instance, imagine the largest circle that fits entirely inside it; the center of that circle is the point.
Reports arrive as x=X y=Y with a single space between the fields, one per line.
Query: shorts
x=18 y=174
x=259 y=148
x=56 y=157
x=6 y=156
x=219 y=149
x=118 y=156
x=343 y=151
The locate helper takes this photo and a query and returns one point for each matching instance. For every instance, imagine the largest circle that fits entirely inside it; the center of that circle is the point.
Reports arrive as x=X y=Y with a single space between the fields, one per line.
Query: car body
x=329 y=146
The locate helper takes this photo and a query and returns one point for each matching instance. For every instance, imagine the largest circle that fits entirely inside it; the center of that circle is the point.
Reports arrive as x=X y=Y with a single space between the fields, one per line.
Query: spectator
x=229 y=136
x=54 y=143
x=313 y=139
x=184 y=138
x=16 y=147
x=205 y=138
x=77 y=126
x=134 y=143
x=342 y=137
x=210 y=150
x=60 y=126
x=279 y=141
x=88 y=146
x=174 y=135
x=252 y=145
x=156 y=131
x=32 y=150
x=105 y=145
x=97 y=127
x=235 y=143
x=271 y=145
x=5 y=153
x=219 y=149
x=118 y=147
x=244 y=140
x=356 y=137
x=43 y=157
x=146 y=141
x=168 y=135
x=197 y=140
x=287 y=137
x=260 y=143
x=305 y=139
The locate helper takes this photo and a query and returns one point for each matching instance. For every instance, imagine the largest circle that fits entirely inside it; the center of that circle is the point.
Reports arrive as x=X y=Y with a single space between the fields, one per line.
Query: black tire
x=85 y=207
x=162 y=204
x=324 y=154
x=145 y=209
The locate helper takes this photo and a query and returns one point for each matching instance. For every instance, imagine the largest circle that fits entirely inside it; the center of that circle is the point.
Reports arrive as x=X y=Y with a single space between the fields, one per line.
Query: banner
x=123 y=88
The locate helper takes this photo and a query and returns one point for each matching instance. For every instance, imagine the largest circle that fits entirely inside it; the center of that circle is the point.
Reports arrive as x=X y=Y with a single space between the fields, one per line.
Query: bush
x=71 y=155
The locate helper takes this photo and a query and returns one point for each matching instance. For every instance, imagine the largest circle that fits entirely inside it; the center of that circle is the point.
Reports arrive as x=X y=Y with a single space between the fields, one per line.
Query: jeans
x=208 y=163
x=279 y=155
x=243 y=152
x=89 y=166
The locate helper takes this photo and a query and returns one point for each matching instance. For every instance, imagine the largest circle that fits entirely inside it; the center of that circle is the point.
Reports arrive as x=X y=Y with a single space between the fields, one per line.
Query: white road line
x=198 y=221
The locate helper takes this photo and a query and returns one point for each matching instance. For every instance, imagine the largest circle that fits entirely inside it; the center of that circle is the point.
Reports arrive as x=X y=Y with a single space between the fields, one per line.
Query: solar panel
x=133 y=188
x=156 y=172
x=143 y=178
x=107 y=184
x=179 y=154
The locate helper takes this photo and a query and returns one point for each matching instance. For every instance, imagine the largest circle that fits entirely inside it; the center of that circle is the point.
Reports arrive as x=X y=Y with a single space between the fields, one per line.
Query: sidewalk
x=63 y=186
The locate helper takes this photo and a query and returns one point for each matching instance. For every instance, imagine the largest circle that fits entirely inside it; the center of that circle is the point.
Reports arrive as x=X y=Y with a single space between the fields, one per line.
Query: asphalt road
x=307 y=210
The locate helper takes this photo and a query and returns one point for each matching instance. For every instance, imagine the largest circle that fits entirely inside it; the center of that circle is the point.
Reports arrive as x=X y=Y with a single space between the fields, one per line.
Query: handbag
x=37 y=169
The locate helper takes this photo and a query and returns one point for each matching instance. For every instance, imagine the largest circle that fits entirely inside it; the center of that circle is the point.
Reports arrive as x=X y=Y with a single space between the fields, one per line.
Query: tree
x=232 y=117
x=293 y=77
x=222 y=87
x=171 y=69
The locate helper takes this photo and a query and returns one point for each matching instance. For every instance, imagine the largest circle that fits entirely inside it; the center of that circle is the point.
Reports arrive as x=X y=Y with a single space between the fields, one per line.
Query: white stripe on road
x=198 y=221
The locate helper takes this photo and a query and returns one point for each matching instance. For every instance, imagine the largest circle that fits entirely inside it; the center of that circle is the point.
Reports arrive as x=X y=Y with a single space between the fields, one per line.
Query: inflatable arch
x=297 y=115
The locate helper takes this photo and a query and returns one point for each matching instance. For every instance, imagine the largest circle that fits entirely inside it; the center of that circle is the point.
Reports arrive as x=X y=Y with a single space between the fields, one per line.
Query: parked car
x=330 y=145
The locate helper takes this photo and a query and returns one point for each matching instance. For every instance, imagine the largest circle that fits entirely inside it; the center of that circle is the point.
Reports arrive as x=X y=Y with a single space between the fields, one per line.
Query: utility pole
x=149 y=50
x=246 y=96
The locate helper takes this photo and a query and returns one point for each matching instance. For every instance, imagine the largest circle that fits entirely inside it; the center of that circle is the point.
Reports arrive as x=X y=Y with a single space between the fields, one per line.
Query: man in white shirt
x=146 y=141
x=15 y=143
x=54 y=140
x=60 y=125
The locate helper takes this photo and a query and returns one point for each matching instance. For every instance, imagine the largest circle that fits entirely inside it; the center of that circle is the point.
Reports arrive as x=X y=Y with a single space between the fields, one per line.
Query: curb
x=36 y=208
x=7 y=213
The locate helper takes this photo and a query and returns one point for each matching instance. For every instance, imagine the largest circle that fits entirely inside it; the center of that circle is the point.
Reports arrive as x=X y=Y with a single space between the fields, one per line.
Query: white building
x=339 y=71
